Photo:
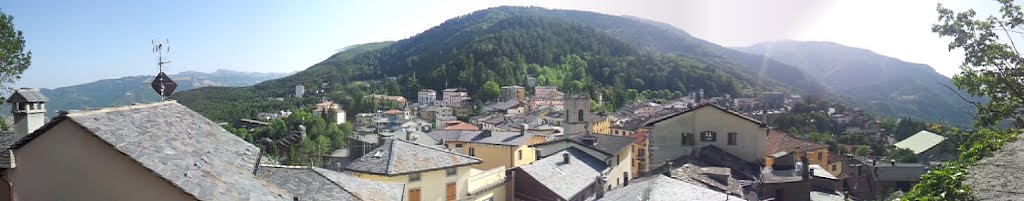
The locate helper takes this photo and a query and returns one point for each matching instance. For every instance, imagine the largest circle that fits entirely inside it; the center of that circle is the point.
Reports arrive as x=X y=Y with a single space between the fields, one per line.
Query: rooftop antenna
x=162 y=84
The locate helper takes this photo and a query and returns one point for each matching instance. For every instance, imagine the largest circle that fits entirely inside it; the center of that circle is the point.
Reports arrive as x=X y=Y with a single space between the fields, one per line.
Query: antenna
x=162 y=84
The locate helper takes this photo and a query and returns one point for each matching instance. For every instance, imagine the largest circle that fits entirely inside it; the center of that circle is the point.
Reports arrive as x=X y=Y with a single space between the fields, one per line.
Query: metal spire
x=162 y=84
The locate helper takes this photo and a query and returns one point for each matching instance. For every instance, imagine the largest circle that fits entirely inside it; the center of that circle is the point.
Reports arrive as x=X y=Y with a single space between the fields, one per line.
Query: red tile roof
x=779 y=141
x=459 y=126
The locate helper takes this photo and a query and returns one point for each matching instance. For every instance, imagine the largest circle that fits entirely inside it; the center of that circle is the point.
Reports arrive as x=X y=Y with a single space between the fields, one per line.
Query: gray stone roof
x=27 y=95
x=661 y=187
x=311 y=183
x=998 y=177
x=398 y=157
x=607 y=144
x=178 y=145
x=495 y=138
x=566 y=179
x=900 y=172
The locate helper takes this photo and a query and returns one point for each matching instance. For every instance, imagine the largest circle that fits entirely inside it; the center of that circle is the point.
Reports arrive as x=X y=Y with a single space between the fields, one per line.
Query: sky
x=74 y=42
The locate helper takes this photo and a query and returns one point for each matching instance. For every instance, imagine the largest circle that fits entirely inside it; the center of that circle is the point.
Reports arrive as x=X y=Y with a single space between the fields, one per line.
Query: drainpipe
x=10 y=187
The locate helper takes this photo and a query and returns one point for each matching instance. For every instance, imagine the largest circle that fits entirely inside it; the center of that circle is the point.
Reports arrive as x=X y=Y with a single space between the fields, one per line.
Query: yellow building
x=600 y=124
x=496 y=149
x=682 y=133
x=817 y=154
x=428 y=173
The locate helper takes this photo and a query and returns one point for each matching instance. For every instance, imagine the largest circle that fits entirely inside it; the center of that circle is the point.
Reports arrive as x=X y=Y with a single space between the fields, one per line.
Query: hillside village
x=541 y=144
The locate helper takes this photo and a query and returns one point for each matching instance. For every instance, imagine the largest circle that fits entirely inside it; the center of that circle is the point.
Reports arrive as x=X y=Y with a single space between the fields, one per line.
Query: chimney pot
x=565 y=158
x=668 y=169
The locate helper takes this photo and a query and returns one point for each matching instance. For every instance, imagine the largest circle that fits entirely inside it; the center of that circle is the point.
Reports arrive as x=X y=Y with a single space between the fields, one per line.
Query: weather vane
x=162 y=84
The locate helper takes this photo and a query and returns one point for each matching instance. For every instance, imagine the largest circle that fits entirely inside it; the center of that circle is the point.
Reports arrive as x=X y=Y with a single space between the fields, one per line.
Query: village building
x=426 y=96
x=680 y=133
x=780 y=143
x=664 y=188
x=496 y=149
x=614 y=151
x=151 y=150
x=428 y=173
x=926 y=145
x=513 y=93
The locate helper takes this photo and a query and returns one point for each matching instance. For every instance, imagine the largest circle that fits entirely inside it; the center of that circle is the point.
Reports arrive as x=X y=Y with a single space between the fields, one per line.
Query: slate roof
x=496 y=138
x=885 y=171
x=399 y=157
x=607 y=144
x=566 y=179
x=178 y=145
x=661 y=187
x=920 y=142
x=782 y=142
x=311 y=183
x=998 y=177
x=697 y=172
x=445 y=136
x=659 y=118
x=27 y=95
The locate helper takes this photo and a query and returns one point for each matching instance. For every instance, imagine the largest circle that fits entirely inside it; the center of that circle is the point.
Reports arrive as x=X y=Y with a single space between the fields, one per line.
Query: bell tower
x=577 y=110
x=28 y=107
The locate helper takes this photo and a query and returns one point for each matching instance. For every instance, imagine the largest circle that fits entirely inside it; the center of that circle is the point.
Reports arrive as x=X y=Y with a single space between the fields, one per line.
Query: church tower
x=577 y=110
x=28 y=107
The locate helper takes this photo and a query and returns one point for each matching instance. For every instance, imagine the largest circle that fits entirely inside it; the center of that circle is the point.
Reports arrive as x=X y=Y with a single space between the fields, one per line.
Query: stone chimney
x=565 y=158
x=28 y=107
x=601 y=180
x=522 y=131
x=668 y=169
x=589 y=140
x=408 y=135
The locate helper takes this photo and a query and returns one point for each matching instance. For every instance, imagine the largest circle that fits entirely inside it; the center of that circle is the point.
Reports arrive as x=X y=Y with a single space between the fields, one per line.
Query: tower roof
x=27 y=95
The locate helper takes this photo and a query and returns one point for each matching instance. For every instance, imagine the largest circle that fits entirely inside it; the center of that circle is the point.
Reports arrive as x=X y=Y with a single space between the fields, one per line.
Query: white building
x=299 y=91
x=680 y=134
x=426 y=96
x=454 y=95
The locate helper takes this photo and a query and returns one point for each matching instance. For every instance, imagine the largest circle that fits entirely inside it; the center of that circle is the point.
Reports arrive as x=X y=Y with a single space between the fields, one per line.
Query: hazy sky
x=77 y=42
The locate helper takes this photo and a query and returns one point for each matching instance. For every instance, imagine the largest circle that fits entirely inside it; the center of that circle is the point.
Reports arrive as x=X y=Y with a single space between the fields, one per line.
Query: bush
x=946 y=183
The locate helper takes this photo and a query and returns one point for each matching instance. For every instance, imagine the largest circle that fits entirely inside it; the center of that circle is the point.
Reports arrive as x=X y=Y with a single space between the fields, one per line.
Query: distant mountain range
x=136 y=89
x=884 y=84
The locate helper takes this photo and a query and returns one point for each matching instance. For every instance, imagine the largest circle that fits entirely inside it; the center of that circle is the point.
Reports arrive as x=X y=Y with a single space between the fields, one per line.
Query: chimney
x=805 y=167
x=668 y=169
x=589 y=140
x=485 y=133
x=28 y=107
x=601 y=180
x=893 y=162
x=565 y=158
x=522 y=131
x=408 y=135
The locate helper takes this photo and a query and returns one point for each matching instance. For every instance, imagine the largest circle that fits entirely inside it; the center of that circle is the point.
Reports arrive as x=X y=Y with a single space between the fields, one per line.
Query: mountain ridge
x=881 y=83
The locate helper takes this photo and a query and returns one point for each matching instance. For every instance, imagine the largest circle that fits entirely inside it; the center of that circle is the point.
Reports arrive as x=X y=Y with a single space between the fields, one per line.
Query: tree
x=863 y=150
x=992 y=65
x=902 y=155
x=14 y=59
x=490 y=91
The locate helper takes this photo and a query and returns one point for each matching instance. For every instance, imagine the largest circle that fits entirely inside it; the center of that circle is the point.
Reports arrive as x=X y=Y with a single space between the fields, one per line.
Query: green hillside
x=573 y=50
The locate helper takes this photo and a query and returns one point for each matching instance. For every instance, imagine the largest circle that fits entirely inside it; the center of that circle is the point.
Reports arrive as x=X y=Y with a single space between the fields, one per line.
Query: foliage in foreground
x=946 y=183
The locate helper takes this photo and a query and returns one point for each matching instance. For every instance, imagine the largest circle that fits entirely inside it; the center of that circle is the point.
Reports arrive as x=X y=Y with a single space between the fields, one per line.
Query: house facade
x=428 y=173
x=681 y=133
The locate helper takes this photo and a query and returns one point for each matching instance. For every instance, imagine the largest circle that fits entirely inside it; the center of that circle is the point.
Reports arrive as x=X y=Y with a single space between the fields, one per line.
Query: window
x=451 y=192
x=579 y=114
x=451 y=171
x=732 y=138
x=472 y=151
x=821 y=157
x=414 y=177
x=708 y=136
x=458 y=145
x=687 y=139
x=520 y=154
x=834 y=168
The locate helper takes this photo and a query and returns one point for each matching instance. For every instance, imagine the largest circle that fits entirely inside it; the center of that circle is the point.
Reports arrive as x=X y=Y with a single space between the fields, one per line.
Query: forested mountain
x=884 y=84
x=574 y=50
x=136 y=89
